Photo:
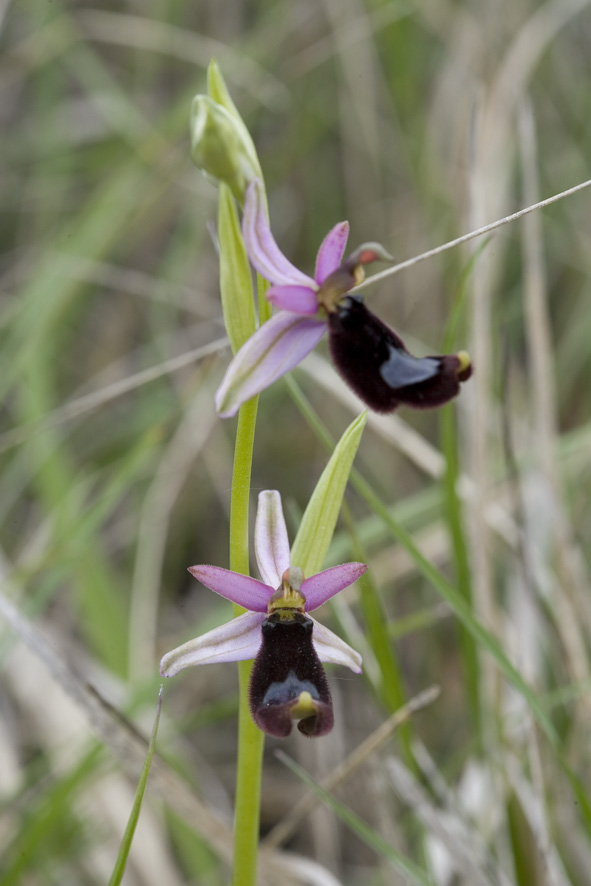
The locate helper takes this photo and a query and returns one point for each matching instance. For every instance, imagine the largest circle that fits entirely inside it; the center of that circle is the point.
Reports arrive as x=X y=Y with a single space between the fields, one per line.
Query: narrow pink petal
x=321 y=587
x=262 y=249
x=241 y=589
x=330 y=254
x=332 y=649
x=271 y=544
x=237 y=640
x=279 y=345
x=297 y=299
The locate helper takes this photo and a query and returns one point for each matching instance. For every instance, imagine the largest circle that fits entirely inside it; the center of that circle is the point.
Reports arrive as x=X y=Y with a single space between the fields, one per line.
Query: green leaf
x=119 y=868
x=235 y=277
x=454 y=509
x=317 y=527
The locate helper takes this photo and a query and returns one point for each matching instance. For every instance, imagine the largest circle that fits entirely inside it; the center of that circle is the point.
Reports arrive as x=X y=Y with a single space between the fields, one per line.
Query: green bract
x=317 y=527
x=235 y=276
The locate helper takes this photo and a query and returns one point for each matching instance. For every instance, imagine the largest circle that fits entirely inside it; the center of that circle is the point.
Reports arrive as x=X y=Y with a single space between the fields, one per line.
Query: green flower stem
x=250 y=738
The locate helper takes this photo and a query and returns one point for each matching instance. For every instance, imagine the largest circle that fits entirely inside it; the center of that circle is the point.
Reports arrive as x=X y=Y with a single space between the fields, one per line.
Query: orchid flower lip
x=375 y=363
x=288 y=645
x=288 y=681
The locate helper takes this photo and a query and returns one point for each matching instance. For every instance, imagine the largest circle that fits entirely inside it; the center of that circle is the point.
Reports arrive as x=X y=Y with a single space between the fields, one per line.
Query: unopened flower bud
x=218 y=146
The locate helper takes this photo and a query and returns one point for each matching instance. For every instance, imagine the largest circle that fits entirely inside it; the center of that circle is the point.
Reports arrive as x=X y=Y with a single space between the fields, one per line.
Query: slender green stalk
x=391 y=691
x=453 y=506
x=119 y=869
x=463 y=578
x=250 y=739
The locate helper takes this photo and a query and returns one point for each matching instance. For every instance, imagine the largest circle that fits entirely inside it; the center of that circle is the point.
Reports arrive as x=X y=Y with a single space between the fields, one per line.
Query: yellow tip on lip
x=305 y=706
x=465 y=361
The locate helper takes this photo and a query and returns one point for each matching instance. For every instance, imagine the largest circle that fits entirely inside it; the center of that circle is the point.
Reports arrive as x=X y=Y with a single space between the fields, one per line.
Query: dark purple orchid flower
x=370 y=357
x=288 y=681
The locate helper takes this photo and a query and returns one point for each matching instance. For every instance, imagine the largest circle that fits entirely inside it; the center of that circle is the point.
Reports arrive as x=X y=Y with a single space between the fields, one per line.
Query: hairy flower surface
x=370 y=357
x=288 y=681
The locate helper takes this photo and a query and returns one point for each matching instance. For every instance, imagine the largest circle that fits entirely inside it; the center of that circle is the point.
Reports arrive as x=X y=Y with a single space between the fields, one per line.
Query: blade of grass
x=126 y=842
x=391 y=690
x=454 y=507
x=49 y=819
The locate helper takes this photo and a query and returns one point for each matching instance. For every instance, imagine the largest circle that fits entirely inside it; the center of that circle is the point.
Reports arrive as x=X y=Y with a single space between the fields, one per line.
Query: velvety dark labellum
x=287 y=666
x=375 y=363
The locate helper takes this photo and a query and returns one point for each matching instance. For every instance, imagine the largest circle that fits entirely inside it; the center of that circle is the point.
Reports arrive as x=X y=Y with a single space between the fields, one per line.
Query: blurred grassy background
x=417 y=121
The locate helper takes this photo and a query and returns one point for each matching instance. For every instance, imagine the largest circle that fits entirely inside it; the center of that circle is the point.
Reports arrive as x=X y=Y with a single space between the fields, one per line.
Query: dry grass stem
x=469 y=853
x=465 y=238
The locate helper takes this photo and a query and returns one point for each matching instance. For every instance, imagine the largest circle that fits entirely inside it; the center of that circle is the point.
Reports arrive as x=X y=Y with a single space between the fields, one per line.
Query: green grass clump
x=418 y=124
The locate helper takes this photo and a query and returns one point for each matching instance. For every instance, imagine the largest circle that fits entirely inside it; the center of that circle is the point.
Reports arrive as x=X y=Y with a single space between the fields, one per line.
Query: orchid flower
x=371 y=358
x=287 y=681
